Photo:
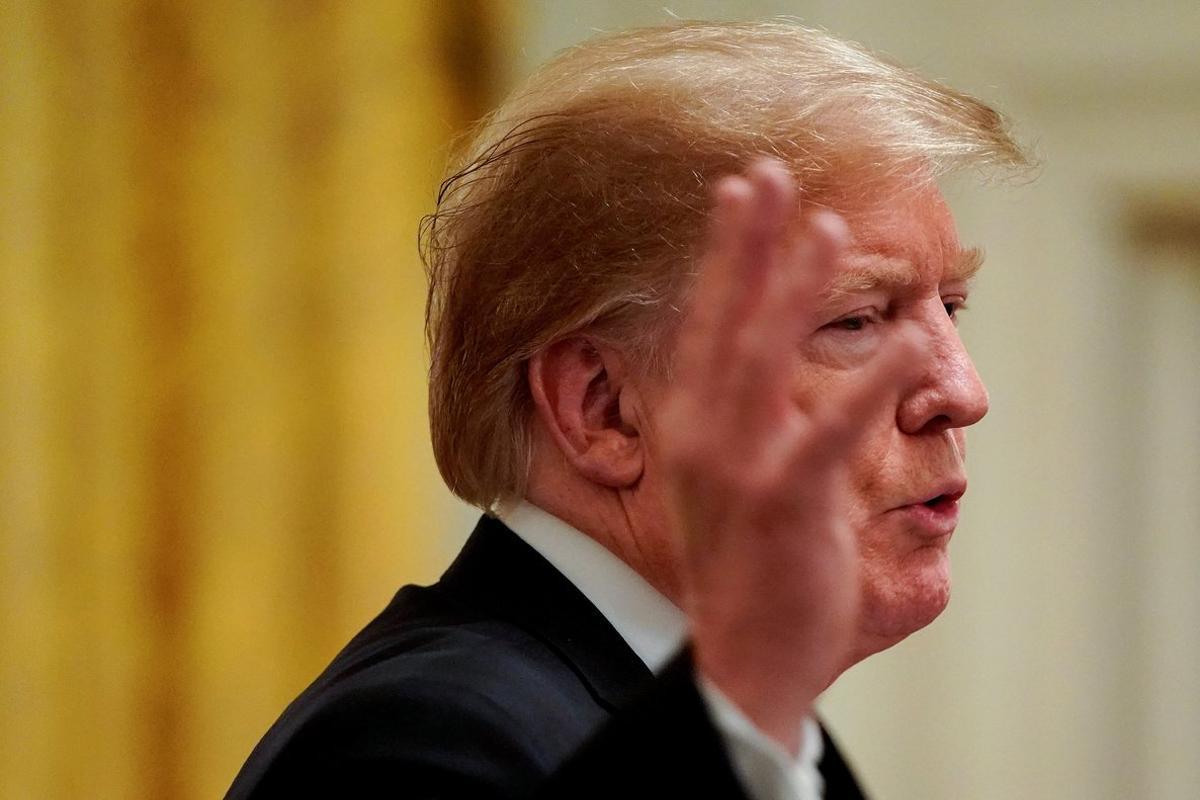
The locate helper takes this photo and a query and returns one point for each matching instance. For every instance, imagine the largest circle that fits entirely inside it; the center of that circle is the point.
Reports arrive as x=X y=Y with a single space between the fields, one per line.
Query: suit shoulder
x=426 y=642
x=429 y=692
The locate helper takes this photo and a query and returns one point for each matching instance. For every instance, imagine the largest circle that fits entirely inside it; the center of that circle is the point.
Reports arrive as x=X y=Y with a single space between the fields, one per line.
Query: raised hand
x=757 y=484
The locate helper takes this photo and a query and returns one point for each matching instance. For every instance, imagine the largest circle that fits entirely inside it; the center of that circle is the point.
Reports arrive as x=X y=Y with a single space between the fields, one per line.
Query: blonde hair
x=580 y=201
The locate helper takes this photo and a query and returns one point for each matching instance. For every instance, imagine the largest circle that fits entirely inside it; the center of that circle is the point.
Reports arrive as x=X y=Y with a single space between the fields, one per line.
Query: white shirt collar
x=655 y=629
x=650 y=624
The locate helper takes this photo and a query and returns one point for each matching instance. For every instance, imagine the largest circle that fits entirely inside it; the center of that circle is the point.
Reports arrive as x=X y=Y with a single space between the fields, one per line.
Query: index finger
x=739 y=275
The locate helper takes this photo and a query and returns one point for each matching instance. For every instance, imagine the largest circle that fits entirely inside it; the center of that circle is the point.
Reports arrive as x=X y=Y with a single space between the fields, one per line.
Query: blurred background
x=214 y=464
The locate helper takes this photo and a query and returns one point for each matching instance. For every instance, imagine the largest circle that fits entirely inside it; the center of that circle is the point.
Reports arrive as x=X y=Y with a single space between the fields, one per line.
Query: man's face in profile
x=904 y=262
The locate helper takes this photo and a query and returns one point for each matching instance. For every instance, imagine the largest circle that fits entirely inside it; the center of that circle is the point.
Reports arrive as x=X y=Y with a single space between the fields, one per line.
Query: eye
x=855 y=321
x=953 y=306
x=852 y=323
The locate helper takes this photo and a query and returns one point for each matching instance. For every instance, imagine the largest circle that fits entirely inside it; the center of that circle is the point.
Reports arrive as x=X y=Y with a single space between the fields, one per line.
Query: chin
x=901 y=598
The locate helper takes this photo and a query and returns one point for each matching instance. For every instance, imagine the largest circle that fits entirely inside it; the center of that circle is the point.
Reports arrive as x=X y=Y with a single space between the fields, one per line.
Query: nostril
x=941 y=422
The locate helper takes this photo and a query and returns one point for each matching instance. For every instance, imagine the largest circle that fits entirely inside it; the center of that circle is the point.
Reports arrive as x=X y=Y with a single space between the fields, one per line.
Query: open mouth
x=943 y=502
x=935 y=517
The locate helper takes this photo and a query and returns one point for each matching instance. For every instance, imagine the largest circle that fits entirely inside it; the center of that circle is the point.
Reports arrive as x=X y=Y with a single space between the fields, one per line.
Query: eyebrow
x=872 y=271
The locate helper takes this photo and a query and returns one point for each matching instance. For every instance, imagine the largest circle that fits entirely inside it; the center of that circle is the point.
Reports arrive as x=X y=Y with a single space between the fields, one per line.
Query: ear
x=582 y=396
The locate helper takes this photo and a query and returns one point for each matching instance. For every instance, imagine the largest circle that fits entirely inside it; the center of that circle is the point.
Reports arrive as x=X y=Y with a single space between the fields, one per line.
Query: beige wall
x=1065 y=665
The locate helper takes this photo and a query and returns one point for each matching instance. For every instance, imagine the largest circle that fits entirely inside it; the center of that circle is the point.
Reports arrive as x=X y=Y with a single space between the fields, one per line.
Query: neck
x=610 y=516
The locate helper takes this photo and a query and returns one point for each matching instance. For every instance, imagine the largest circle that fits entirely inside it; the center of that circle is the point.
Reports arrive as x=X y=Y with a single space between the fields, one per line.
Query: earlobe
x=581 y=396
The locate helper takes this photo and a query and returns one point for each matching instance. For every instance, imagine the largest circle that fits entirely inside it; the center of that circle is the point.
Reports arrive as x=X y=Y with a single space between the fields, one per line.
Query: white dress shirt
x=655 y=630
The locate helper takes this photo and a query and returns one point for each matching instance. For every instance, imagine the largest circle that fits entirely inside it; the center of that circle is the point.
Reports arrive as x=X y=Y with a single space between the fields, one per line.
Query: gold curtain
x=212 y=427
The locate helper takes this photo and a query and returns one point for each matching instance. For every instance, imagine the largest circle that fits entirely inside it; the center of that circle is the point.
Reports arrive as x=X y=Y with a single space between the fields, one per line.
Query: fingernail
x=832 y=224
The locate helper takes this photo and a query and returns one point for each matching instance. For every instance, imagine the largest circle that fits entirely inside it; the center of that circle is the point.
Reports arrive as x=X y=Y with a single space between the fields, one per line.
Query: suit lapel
x=840 y=783
x=500 y=575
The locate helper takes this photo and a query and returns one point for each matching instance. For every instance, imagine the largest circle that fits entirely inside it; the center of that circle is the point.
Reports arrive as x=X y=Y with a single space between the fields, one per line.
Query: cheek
x=876 y=468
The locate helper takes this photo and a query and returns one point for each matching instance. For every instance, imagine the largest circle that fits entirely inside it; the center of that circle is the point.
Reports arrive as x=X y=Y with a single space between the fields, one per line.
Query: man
x=692 y=319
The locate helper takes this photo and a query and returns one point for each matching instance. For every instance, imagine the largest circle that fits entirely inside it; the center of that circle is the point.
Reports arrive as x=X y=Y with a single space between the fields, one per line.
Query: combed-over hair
x=580 y=201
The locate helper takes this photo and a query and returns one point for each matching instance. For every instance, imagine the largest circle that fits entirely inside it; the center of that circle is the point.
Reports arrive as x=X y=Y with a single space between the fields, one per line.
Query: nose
x=947 y=392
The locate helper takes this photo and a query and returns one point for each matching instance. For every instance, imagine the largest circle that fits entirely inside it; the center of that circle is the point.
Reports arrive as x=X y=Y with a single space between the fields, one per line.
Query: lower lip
x=934 y=521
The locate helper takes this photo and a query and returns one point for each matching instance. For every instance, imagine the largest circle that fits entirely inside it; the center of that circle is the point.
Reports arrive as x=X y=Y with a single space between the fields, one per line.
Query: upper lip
x=949 y=490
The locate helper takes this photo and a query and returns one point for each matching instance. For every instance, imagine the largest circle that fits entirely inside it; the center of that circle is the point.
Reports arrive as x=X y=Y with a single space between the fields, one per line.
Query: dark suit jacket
x=501 y=680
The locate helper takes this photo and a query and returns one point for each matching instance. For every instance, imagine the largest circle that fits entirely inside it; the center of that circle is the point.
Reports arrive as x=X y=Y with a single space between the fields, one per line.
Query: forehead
x=906 y=235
